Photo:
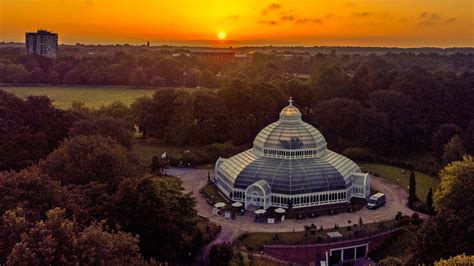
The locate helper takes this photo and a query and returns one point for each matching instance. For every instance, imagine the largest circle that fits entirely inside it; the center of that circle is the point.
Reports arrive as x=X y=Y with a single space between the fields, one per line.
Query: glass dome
x=290 y=132
x=292 y=157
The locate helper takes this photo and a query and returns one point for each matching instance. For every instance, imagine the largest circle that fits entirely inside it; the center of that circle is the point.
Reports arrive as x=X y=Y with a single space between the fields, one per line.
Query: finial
x=291 y=100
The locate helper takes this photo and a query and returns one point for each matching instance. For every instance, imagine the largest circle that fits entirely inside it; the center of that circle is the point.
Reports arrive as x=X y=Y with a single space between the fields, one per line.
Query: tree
x=462 y=259
x=450 y=231
x=338 y=119
x=29 y=129
x=37 y=76
x=82 y=159
x=29 y=189
x=58 y=240
x=105 y=126
x=429 y=202
x=53 y=78
x=412 y=198
x=443 y=135
x=329 y=82
x=158 y=211
x=220 y=254
x=391 y=261
x=159 y=165
x=453 y=150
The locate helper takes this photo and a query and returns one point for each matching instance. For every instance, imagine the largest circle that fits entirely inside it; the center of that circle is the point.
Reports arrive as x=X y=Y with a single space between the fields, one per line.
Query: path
x=194 y=179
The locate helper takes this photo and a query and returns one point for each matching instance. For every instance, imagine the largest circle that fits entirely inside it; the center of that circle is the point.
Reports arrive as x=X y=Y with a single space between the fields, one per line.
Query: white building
x=290 y=164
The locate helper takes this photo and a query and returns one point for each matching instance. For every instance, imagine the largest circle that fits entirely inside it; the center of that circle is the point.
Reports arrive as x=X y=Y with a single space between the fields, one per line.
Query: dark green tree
x=412 y=198
x=429 y=202
x=220 y=254
x=105 y=126
x=158 y=211
x=58 y=240
x=450 y=232
x=82 y=159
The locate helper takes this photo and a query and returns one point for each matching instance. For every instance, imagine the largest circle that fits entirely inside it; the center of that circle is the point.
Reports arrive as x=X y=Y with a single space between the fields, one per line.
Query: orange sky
x=403 y=23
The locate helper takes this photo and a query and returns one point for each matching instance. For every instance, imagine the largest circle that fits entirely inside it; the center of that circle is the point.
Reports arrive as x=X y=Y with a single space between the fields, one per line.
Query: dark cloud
x=362 y=14
x=270 y=8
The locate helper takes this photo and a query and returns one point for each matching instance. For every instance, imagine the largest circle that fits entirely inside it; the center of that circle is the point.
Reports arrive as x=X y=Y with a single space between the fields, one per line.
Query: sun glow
x=221 y=35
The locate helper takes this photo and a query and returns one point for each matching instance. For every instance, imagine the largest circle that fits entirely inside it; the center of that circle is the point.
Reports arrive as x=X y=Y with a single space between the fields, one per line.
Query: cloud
x=349 y=4
x=309 y=20
x=268 y=22
x=233 y=18
x=363 y=14
x=450 y=20
x=429 y=19
x=288 y=17
x=270 y=8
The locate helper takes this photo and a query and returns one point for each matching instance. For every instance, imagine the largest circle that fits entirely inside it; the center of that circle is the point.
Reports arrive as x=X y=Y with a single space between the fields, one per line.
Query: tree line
x=73 y=192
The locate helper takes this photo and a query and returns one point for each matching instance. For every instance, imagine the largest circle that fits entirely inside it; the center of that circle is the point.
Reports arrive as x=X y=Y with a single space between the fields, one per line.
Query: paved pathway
x=194 y=179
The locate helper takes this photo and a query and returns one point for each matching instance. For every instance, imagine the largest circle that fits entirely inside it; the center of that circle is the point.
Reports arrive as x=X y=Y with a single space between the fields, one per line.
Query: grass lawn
x=213 y=193
x=397 y=176
x=253 y=241
x=147 y=148
x=93 y=97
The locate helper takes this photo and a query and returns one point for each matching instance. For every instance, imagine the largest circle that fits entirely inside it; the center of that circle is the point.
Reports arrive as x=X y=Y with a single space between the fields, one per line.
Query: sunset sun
x=221 y=35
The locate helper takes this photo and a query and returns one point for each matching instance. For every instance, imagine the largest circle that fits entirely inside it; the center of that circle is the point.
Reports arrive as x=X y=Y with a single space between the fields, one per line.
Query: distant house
x=42 y=43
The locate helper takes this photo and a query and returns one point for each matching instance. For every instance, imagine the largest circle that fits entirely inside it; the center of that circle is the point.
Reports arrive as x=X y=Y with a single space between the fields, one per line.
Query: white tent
x=280 y=210
x=259 y=211
x=219 y=205
x=237 y=204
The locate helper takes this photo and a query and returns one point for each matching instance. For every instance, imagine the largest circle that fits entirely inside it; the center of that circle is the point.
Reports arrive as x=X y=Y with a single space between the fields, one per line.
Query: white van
x=376 y=201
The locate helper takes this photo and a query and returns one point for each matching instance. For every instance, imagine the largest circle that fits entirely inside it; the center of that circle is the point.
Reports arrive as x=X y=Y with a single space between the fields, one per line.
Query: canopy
x=259 y=211
x=280 y=210
x=237 y=204
x=334 y=234
x=219 y=205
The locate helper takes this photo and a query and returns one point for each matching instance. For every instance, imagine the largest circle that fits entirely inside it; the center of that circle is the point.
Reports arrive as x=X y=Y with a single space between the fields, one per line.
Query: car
x=376 y=201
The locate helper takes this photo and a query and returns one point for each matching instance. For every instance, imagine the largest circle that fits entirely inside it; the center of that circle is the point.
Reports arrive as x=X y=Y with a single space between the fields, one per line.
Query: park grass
x=400 y=176
x=93 y=96
x=255 y=241
x=147 y=148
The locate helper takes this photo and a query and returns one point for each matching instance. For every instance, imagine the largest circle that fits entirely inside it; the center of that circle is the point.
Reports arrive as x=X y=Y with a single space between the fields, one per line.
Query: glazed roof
x=291 y=171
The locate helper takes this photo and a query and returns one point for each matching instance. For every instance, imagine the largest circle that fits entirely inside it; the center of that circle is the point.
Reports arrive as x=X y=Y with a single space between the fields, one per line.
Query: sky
x=400 y=23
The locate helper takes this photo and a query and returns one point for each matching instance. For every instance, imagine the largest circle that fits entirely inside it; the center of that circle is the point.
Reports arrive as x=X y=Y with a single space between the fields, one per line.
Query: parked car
x=376 y=201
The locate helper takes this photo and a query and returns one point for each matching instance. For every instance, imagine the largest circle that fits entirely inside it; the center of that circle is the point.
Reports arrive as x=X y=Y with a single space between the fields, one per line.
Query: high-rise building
x=42 y=42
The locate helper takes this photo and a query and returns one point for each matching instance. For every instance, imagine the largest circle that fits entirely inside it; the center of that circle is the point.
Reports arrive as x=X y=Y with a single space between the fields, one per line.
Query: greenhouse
x=290 y=165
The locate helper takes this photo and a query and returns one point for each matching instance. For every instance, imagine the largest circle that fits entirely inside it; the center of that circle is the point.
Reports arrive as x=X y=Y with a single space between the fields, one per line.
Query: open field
x=398 y=176
x=93 y=97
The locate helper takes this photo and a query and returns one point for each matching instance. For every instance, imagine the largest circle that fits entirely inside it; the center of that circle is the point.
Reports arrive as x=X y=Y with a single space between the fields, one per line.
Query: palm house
x=290 y=165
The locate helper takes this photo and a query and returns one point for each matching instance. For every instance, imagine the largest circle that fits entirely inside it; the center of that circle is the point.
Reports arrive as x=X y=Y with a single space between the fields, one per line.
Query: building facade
x=42 y=43
x=290 y=166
